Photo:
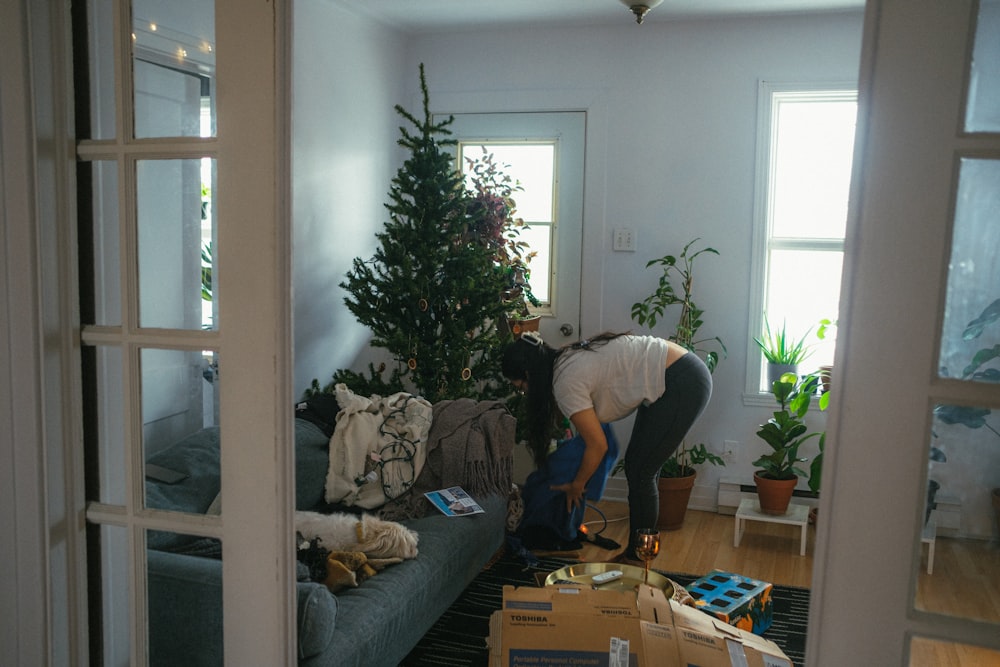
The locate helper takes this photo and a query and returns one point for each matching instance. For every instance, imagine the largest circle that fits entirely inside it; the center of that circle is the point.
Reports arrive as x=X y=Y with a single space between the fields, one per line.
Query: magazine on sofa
x=454 y=501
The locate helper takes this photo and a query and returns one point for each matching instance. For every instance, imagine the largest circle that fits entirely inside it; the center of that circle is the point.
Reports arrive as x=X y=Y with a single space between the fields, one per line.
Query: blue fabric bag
x=546 y=508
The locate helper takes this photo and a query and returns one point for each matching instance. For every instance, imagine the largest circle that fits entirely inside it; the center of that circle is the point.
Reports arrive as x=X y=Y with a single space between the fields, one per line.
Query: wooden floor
x=965 y=581
x=768 y=551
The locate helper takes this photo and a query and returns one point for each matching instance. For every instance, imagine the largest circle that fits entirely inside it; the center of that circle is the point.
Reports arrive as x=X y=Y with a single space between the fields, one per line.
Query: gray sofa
x=372 y=625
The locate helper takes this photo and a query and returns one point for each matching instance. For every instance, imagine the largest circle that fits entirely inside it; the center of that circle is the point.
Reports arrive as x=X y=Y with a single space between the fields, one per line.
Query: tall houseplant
x=689 y=321
x=677 y=475
x=785 y=432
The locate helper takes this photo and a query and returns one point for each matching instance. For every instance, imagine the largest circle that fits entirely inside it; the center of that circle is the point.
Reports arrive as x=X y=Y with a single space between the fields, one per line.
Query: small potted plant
x=827 y=327
x=782 y=352
x=778 y=472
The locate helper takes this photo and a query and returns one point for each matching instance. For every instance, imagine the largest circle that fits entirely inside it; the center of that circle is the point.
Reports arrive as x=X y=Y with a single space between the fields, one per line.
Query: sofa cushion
x=196 y=456
x=185 y=612
x=312 y=459
x=317 y=617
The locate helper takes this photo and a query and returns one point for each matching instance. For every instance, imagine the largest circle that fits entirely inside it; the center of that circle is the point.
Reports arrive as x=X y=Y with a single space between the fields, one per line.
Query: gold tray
x=583 y=573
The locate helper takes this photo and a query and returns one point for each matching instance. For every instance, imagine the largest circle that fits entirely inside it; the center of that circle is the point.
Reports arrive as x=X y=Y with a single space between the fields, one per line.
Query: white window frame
x=768 y=92
x=472 y=149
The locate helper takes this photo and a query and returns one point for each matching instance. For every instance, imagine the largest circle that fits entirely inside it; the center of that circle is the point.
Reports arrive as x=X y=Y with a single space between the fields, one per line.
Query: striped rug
x=458 y=639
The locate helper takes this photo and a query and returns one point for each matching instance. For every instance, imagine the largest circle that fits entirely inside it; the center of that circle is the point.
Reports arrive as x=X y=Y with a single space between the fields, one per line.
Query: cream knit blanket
x=378 y=447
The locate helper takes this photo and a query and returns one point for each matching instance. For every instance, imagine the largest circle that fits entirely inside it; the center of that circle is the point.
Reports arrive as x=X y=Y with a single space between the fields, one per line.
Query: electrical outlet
x=729 y=449
x=624 y=240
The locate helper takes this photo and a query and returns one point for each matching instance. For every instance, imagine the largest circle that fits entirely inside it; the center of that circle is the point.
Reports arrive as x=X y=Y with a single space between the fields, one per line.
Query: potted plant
x=491 y=191
x=676 y=481
x=647 y=311
x=826 y=326
x=782 y=352
x=778 y=472
x=677 y=475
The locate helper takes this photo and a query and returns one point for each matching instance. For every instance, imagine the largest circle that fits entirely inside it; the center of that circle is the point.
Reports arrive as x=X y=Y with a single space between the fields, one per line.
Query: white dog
x=368 y=534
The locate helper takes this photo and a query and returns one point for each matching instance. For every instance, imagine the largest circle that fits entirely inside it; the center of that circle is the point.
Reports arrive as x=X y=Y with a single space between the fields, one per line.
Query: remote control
x=605 y=577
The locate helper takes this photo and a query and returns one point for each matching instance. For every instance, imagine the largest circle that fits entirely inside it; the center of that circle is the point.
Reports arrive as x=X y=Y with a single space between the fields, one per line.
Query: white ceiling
x=434 y=15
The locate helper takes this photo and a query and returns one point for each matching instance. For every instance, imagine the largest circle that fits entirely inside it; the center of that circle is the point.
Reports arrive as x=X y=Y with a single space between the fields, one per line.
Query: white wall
x=347 y=77
x=680 y=103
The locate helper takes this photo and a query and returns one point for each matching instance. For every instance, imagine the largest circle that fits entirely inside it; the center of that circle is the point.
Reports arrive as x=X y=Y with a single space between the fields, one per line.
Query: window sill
x=759 y=400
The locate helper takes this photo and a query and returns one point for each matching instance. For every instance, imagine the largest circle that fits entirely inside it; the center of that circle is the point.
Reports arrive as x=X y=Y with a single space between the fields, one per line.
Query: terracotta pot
x=774 y=494
x=825 y=378
x=518 y=326
x=675 y=492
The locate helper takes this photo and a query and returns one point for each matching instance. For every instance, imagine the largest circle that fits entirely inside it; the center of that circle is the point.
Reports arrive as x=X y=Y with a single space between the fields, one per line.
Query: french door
x=919 y=340
x=184 y=247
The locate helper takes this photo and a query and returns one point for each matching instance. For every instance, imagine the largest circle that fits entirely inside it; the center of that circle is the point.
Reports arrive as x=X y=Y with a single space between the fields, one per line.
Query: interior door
x=921 y=298
x=559 y=269
x=161 y=197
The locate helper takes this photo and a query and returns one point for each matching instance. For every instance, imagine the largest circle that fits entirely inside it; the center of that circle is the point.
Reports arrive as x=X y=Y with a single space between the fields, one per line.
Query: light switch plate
x=624 y=240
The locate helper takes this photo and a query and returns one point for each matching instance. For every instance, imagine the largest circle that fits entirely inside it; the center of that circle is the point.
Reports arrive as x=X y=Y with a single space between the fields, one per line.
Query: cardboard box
x=735 y=599
x=563 y=626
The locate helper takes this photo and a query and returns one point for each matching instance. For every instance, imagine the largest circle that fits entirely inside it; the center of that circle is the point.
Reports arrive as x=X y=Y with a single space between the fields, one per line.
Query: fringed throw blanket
x=378 y=447
x=470 y=444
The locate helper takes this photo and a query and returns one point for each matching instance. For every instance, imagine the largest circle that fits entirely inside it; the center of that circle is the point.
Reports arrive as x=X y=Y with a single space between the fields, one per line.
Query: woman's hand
x=595 y=447
x=574 y=494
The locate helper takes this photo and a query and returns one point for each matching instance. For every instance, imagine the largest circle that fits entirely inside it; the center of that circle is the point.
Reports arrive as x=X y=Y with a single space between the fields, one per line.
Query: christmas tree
x=431 y=294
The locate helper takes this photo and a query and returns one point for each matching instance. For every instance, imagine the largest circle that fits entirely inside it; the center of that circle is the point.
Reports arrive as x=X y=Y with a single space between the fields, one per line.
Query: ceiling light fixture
x=640 y=7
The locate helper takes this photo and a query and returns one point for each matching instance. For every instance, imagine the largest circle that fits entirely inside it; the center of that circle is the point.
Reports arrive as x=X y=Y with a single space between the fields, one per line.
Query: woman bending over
x=601 y=380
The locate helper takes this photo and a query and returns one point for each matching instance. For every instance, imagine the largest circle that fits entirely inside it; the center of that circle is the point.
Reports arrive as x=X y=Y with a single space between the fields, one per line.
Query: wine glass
x=647 y=545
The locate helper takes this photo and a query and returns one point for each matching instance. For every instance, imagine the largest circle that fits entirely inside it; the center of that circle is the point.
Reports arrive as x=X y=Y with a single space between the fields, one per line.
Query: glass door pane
x=173 y=223
x=173 y=68
x=983 y=103
x=926 y=652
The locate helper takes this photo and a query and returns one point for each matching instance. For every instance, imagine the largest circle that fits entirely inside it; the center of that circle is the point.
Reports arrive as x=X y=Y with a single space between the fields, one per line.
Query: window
x=805 y=153
x=532 y=165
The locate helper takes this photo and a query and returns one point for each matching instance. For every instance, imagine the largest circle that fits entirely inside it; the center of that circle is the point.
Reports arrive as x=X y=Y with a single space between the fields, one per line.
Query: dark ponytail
x=530 y=359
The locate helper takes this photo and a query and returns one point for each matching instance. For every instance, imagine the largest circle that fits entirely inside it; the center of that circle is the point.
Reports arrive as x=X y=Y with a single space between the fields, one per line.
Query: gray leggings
x=658 y=431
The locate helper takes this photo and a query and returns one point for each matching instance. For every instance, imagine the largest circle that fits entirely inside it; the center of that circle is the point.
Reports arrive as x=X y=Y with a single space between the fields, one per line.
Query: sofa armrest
x=185 y=611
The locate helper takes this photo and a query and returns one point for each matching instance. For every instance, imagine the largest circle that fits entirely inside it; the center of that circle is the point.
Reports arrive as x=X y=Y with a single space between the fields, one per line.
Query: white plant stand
x=929 y=537
x=797 y=515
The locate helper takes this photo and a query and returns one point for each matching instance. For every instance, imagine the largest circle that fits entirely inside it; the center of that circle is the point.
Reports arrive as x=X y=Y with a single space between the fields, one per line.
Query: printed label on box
x=565 y=658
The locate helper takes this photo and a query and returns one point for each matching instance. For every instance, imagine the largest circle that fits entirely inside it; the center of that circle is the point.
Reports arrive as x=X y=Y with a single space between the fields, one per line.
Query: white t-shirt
x=614 y=378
